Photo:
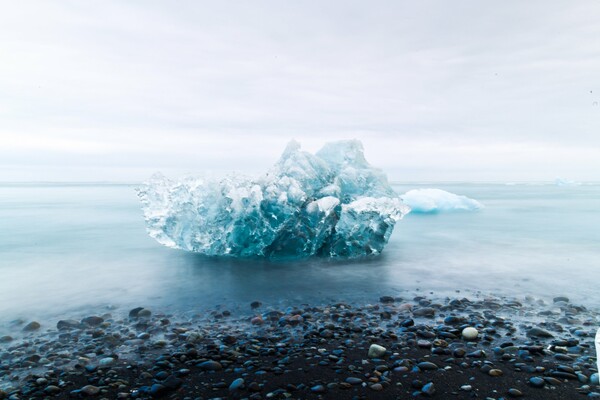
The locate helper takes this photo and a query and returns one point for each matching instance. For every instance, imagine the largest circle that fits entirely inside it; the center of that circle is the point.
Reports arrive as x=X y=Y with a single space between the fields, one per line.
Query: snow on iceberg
x=437 y=200
x=330 y=204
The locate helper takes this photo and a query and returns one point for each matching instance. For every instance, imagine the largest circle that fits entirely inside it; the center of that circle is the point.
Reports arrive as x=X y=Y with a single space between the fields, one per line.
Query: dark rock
x=512 y=392
x=254 y=387
x=386 y=299
x=158 y=390
x=318 y=389
x=353 y=380
x=172 y=382
x=65 y=324
x=561 y=298
x=90 y=390
x=51 y=390
x=427 y=312
x=427 y=366
x=210 y=365
x=92 y=321
x=537 y=382
x=539 y=332
x=134 y=313
x=255 y=304
x=32 y=326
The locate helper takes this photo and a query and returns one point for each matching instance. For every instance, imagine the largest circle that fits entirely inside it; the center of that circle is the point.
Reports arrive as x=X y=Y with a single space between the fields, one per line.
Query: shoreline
x=525 y=348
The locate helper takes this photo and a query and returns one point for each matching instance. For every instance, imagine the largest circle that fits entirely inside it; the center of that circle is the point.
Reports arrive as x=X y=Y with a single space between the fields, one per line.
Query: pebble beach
x=393 y=348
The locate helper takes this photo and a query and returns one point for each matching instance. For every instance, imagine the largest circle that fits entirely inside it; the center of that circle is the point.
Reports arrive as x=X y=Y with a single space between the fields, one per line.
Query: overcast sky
x=435 y=90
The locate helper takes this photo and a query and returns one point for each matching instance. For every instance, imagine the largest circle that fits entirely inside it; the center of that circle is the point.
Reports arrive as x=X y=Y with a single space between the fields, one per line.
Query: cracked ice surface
x=330 y=204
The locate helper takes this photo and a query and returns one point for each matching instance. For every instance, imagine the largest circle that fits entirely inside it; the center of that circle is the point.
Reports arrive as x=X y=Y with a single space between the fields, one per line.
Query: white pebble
x=470 y=333
x=376 y=351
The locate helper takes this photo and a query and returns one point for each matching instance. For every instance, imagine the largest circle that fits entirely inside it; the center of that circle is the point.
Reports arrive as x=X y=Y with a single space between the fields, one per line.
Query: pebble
x=353 y=380
x=376 y=351
x=427 y=366
x=537 y=382
x=318 y=389
x=386 y=299
x=428 y=312
x=144 y=313
x=470 y=333
x=512 y=392
x=67 y=324
x=32 y=326
x=210 y=365
x=90 y=390
x=105 y=362
x=236 y=384
x=539 y=332
x=428 y=389
x=92 y=321
x=52 y=390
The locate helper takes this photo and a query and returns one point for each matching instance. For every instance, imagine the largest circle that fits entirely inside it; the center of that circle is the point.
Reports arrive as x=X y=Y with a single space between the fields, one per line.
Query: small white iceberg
x=566 y=182
x=437 y=200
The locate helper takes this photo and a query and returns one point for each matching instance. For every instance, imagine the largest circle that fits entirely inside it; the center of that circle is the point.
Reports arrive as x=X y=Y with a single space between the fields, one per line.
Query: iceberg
x=566 y=182
x=329 y=204
x=437 y=200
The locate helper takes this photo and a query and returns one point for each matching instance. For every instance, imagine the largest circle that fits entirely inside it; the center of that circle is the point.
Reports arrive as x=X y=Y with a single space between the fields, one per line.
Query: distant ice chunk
x=331 y=204
x=566 y=182
x=437 y=200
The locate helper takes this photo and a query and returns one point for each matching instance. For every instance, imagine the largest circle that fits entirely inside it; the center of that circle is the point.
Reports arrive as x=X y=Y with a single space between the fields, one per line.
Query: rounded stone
x=318 y=389
x=90 y=390
x=92 y=321
x=105 y=362
x=255 y=304
x=428 y=389
x=470 y=333
x=512 y=392
x=376 y=351
x=51 y=389
x=236 y=384
x=210 y=365
x=427 y=366
x=353 y=380
x=32 y=326
x=376 y=387
x=537 y=382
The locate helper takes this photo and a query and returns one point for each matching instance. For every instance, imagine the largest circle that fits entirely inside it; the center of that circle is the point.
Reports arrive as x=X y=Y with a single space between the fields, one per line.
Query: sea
x=71 y=249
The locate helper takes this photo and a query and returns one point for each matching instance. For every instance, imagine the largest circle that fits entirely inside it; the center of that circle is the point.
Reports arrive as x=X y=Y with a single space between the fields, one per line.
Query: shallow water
x=64 y=248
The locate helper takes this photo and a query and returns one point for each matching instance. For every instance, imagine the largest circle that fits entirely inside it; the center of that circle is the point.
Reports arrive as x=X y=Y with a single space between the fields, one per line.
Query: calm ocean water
x=64 y=248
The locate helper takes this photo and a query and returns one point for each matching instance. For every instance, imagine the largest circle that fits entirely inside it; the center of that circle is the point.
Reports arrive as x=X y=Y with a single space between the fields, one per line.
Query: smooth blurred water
x=64 y=248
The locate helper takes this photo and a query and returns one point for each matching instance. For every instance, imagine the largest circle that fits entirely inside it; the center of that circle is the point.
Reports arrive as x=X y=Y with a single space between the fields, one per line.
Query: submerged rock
x=32 y=326
x=331 y=204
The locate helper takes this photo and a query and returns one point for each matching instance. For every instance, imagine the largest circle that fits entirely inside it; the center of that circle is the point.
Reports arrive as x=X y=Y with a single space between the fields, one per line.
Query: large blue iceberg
x=329 y=204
